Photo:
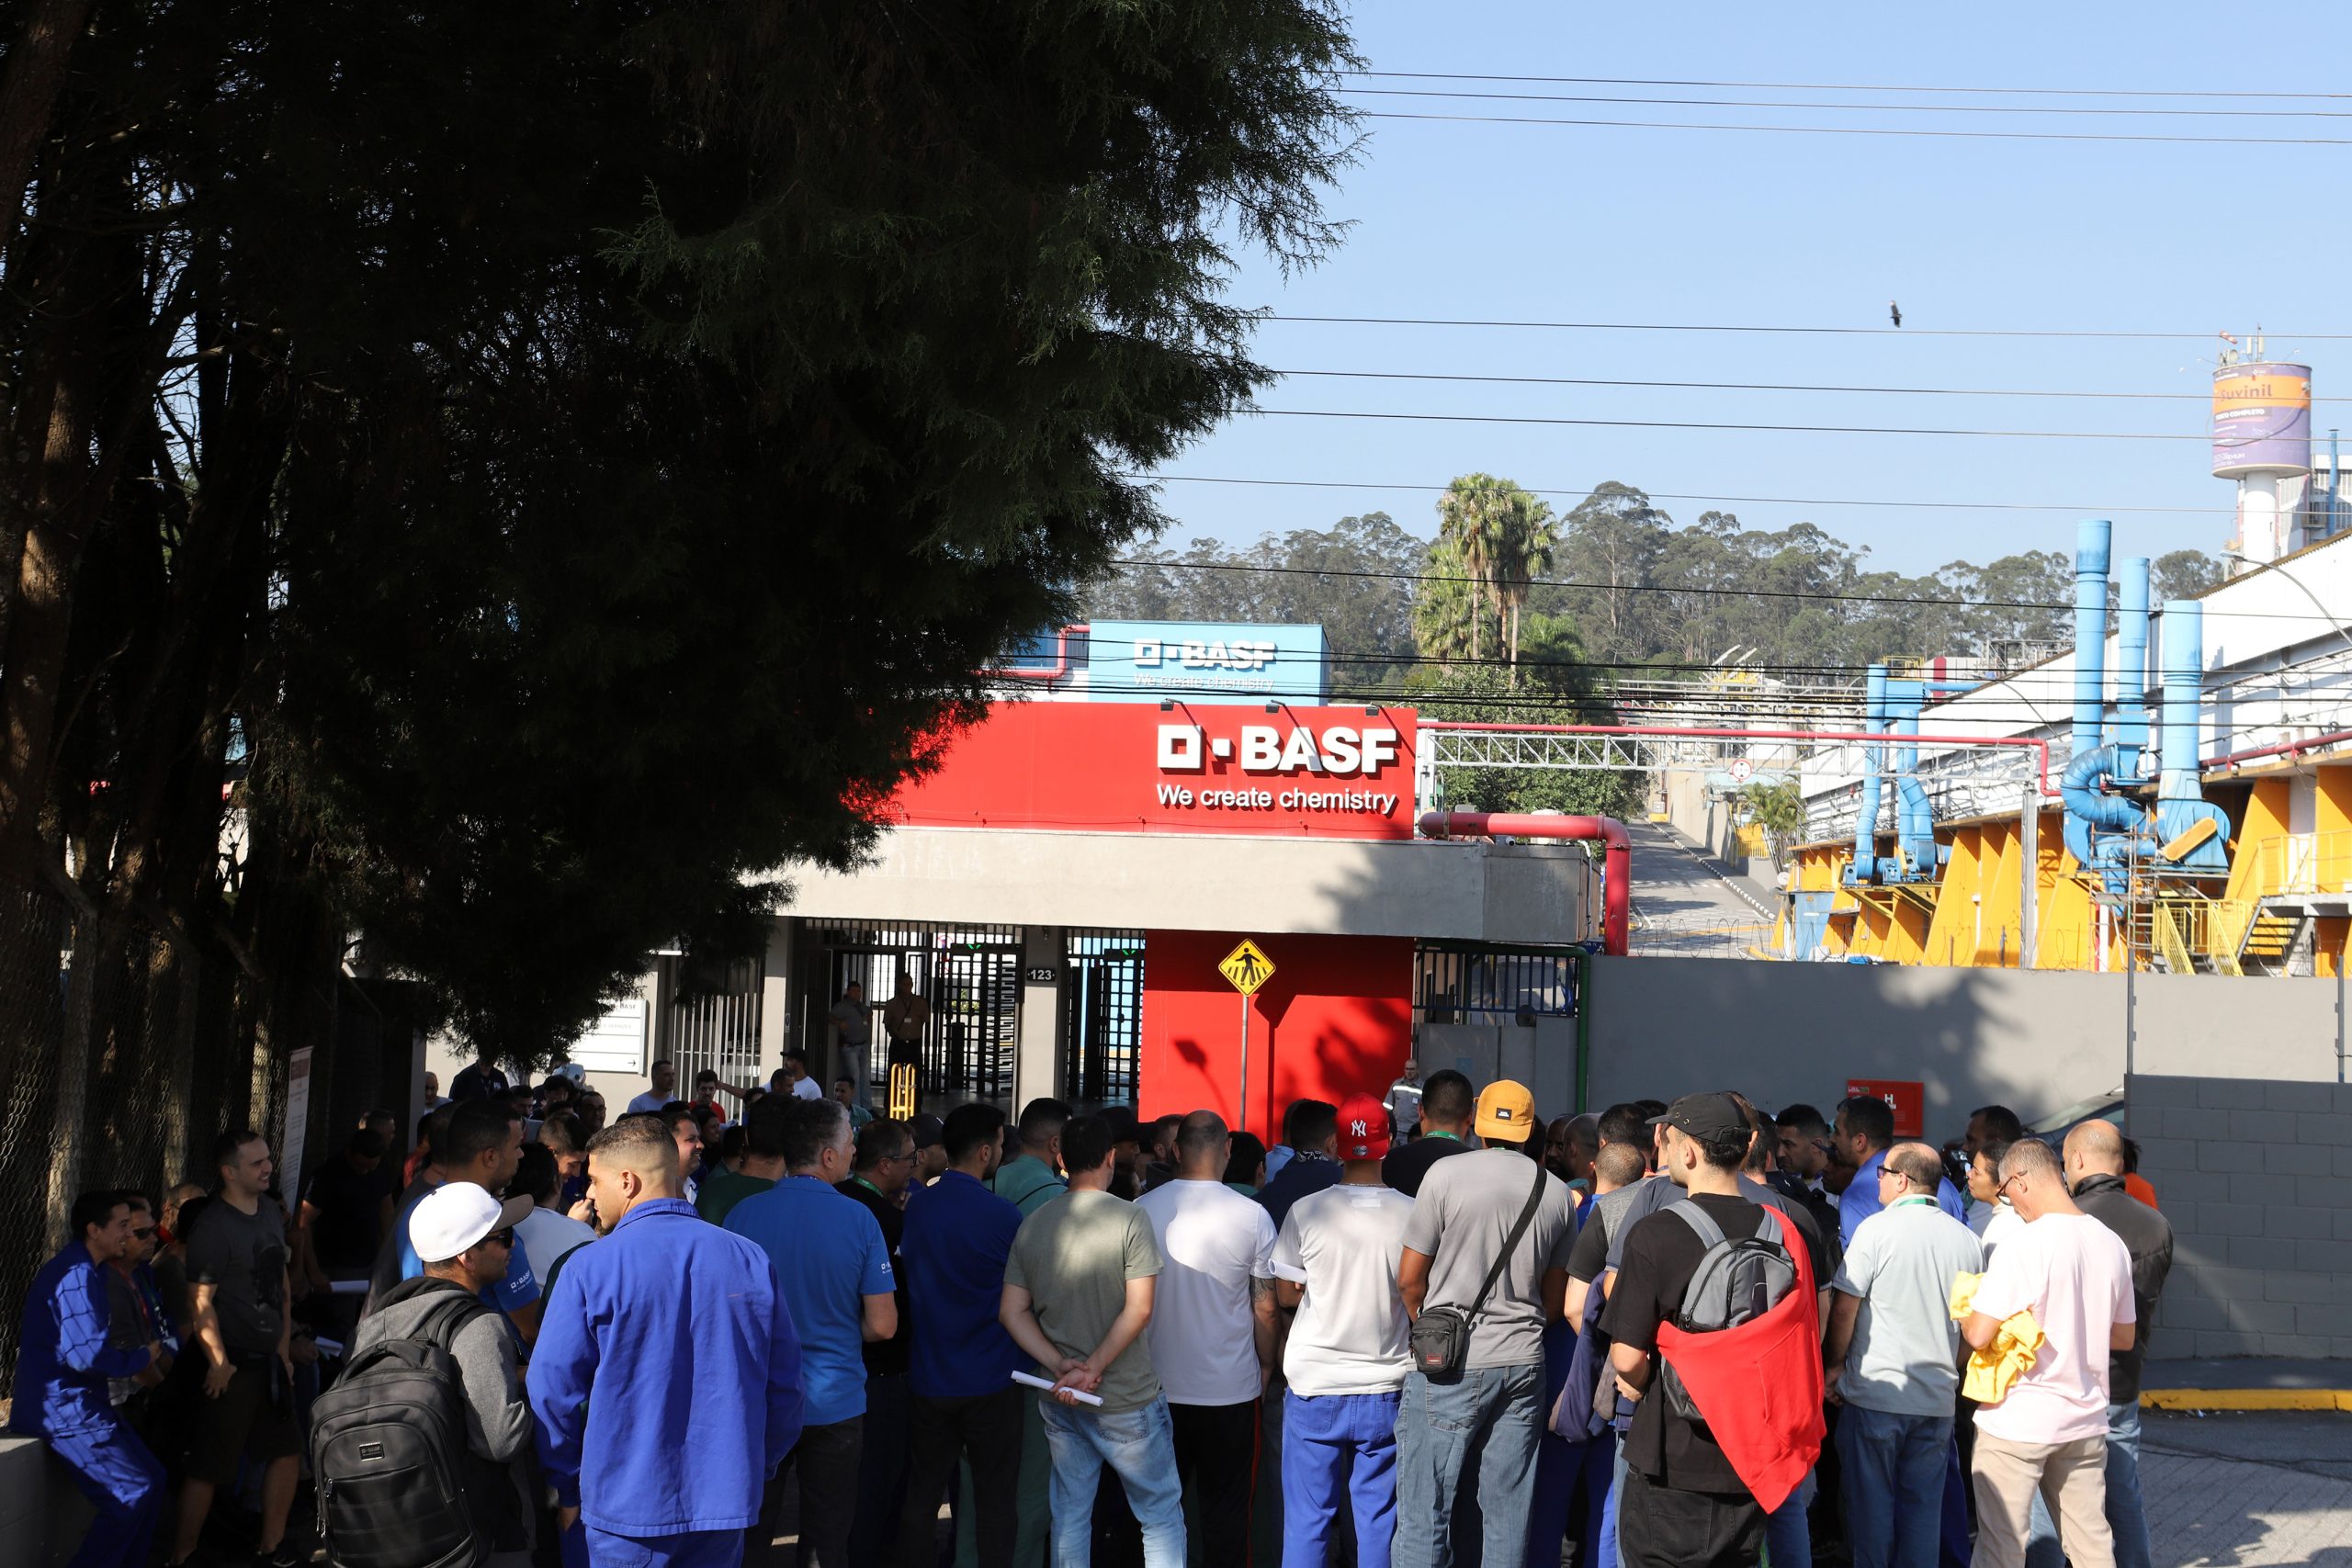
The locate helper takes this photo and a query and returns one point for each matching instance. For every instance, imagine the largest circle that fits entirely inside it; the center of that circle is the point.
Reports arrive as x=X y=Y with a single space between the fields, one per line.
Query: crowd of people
x=1425 y=1328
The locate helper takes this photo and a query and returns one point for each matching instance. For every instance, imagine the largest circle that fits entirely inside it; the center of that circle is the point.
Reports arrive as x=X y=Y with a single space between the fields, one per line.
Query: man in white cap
x=463 y=1236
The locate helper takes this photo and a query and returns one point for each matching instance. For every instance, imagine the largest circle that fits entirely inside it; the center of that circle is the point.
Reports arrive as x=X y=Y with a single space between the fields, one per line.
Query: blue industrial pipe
x=2092 y=537
x=2103 y=831
x=2130 y=733
x=2181 y=793
x=1915 y=816
x=1865 y=860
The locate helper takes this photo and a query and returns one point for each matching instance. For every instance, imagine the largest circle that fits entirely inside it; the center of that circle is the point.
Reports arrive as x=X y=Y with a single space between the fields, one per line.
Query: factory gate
x=971 y=976
x=1102 y=1017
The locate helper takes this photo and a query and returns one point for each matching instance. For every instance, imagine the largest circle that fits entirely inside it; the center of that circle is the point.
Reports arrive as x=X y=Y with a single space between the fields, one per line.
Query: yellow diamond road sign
x=1248 y=967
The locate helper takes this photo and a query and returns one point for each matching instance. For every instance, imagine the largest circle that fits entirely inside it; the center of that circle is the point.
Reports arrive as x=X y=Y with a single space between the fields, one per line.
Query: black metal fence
x=124 y=1055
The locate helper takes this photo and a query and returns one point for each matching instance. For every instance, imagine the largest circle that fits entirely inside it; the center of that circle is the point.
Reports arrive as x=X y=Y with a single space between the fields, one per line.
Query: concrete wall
x=1466 y=890
x=2036 y=1040
x=2256 y=1177
x=42 y=1516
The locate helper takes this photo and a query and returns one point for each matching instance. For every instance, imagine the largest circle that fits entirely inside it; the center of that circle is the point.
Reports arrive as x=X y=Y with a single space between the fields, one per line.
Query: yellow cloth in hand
x=1993 y=1371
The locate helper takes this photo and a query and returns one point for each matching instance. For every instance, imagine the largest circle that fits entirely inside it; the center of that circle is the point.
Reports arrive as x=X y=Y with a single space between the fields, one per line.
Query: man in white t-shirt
x=1212 y=1334
x=1335 y=1264
x=665 y=1075
x=2048 y=1433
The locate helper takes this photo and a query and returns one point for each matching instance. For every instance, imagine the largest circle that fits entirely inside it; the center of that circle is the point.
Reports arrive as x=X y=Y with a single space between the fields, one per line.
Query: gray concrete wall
x=1464 y=889
x=2037 y=1041
x=2256 y=1176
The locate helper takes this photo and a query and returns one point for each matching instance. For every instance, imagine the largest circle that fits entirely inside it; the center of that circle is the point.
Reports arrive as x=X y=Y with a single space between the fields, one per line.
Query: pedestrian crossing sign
x=1248 y=967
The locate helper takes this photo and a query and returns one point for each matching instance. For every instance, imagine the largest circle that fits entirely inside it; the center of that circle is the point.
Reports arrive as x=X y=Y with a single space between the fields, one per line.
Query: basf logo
x=1130 y=661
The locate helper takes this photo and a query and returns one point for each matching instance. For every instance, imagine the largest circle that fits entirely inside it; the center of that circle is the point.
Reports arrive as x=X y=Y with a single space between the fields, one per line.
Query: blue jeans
x=2125 y=1517
x=1140 y=1445
x=1788 y=1535
x=1491 y=1413
x=1328 y=1442
x=1606 y=1557
x=1893 y=1480
x=1566 y=1473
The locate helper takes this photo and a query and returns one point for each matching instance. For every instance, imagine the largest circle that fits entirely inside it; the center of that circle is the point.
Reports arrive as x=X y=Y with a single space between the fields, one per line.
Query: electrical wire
x=1735 y=593
x=1726 y=425
x=2113 y=110
x=1852 y=87
x=1755 y=386
x=1271 y=315
x=1876 y=130
x=1733 y=500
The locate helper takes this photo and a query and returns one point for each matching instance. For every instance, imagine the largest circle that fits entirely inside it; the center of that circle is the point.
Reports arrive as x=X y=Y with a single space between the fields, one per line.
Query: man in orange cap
x=1489 y=1236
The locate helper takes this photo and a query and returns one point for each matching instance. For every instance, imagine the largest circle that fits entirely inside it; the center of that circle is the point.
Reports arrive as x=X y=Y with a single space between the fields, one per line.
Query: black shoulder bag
x=1441 y=1336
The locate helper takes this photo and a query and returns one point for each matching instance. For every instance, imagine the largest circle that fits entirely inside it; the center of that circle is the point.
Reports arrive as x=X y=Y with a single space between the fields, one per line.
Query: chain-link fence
x=124 y=1055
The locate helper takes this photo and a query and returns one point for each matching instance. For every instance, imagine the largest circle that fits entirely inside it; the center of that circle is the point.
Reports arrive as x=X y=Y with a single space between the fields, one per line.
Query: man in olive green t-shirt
x=1078 y=1295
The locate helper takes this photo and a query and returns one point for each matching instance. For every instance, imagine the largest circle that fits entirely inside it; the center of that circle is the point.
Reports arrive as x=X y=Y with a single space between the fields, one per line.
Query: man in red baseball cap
x=1335 y=1263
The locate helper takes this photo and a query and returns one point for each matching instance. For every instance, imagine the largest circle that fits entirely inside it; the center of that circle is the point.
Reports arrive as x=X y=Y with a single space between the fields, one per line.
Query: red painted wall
x=1133 y=767
x=1335 y=1017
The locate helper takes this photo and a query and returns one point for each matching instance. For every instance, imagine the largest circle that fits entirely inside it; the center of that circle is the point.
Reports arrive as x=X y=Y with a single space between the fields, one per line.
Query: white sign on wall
x=615 y=1042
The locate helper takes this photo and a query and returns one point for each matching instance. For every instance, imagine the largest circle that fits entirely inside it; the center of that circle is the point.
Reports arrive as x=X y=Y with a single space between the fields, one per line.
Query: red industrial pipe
x=1671 y=732
x=1616 y=866
x=2289 y=748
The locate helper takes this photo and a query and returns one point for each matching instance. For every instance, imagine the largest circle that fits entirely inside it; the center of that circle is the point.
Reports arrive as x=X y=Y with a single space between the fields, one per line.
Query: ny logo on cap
x=1355 y=1128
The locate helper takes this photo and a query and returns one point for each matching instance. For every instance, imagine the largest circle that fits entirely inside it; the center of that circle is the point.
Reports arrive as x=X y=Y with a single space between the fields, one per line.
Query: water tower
x=2262 y=438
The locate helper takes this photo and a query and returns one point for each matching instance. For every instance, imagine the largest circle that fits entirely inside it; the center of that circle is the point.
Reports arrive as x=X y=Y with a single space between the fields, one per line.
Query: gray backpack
x=1735 y=1282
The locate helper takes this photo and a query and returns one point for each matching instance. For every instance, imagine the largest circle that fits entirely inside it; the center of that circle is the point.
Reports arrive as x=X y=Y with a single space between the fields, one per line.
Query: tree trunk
x=29 y=95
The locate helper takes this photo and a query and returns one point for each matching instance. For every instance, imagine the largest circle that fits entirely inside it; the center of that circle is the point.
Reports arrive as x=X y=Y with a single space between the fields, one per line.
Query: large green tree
x=559 y=462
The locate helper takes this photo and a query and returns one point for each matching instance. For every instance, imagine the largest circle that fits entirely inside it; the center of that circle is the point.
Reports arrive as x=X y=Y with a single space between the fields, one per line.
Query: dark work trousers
x=1660 y=1527
x=1217 y=1457
x=881 y=1468
x=814 y=1497
x=984 y=1429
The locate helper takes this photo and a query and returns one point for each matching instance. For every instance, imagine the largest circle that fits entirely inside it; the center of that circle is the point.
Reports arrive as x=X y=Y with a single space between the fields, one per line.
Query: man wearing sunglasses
x=463 y=1238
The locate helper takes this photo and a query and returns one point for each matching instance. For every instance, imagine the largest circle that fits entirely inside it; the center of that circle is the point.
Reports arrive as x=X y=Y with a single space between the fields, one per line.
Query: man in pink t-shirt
x=2049 y=1434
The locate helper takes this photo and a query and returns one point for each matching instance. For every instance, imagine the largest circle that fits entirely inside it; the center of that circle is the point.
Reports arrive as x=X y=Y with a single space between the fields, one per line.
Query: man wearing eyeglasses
x=2048 y=1433
x=1893 y=1360
x=463 y=1238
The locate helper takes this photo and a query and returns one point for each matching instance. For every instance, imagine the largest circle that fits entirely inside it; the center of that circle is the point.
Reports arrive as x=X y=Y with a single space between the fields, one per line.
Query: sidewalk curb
x=2246 y=1399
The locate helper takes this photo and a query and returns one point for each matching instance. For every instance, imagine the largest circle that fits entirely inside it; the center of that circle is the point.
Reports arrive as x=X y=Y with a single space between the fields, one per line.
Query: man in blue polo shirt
x=483 y=1145
x=834 y=1269
x=1865 y=1131
x=957 y=1235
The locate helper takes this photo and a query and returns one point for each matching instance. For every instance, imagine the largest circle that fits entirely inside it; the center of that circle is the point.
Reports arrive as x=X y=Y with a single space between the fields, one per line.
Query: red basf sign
x=1135 y=767
x=1907 y=1101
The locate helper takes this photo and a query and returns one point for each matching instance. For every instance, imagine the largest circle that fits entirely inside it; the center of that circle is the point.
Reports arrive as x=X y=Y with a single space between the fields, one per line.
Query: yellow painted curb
x=2246 y=1399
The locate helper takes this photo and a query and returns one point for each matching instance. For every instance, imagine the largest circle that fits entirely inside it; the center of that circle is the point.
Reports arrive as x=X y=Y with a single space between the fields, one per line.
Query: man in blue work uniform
x=63 y=1365
x=1865 y=1132
x=666 y=1380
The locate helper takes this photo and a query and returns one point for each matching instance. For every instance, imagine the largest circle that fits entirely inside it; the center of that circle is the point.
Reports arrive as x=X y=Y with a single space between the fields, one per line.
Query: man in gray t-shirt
x=1893 y=1351
x=1462 y=1216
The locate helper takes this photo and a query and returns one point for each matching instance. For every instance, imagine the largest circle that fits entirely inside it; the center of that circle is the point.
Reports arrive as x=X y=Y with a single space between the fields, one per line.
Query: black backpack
x=1735 y=1282
x=388 y=1451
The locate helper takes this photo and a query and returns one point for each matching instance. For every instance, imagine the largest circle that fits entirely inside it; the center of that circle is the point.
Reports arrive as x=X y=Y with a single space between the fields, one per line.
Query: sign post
x=1246 y=968
x=296 y=1132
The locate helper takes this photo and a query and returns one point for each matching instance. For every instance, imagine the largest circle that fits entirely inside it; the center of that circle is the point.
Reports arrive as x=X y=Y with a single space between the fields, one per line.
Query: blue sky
x=1550 y=223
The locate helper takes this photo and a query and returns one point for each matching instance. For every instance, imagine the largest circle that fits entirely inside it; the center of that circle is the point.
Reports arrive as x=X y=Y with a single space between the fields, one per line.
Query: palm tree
x=1472 y=518
x=1525 y=553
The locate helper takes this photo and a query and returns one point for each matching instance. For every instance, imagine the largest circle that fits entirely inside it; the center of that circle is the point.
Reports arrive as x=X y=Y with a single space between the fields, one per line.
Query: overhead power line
x=2102 y=109
x=2086 y=510
x=1854 y=87
x=1742 y=327
x=1732 y=591
x=1877 y=131
x=1726 y=425
x=1761 y=386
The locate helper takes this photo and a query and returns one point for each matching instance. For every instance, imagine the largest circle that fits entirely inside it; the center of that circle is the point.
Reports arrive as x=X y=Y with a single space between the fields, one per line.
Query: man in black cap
x=1683 y=1503
x=931 y=1148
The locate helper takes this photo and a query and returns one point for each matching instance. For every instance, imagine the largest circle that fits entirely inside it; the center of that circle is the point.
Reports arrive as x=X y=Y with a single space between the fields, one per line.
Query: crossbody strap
x=1511 y=1244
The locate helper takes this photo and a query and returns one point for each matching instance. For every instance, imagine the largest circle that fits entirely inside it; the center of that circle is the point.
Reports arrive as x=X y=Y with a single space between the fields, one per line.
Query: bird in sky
x=1895 y=311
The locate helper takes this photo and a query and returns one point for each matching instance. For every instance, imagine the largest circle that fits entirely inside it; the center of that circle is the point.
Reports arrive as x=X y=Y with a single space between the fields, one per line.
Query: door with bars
x=1103 y=1017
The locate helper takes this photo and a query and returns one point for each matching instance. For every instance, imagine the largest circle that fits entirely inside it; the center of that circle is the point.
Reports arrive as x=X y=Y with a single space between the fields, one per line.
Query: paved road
x=1680 y=906
x=2228 y=1490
